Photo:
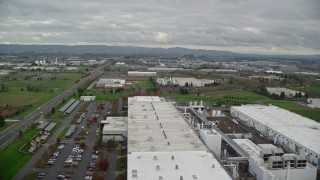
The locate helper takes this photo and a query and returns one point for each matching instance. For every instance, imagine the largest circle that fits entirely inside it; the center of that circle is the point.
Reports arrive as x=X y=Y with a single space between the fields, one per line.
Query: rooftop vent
x=172 y=157
x=160 y=178
x=194 y=177
x=181 y=178
x=134 y=173
x=168 y=143
x=212 y=165
x=157 y=167
x=155 y=158
x=177 y=167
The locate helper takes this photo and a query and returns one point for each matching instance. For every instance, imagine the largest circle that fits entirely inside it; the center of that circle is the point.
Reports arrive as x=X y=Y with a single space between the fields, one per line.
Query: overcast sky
x=263 y=26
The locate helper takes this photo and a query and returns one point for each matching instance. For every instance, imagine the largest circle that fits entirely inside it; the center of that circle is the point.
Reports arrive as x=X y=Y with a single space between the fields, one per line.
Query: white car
x=88 y=177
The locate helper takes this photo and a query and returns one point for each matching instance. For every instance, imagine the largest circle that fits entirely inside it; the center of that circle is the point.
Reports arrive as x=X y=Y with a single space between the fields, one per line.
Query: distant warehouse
x=298 y=133
x=110 y=83
x=189 y=81
x=139 y=73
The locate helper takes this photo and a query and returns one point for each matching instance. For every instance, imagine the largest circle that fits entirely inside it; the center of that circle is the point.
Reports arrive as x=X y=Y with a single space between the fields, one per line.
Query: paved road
x=111 y=171
x=9 y=134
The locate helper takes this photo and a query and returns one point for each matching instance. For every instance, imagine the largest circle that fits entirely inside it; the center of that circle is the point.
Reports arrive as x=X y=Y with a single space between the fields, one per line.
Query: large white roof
x=112 y=124
x=191 y=165
x=298 y=128
x=159 y=139
x=155 y=125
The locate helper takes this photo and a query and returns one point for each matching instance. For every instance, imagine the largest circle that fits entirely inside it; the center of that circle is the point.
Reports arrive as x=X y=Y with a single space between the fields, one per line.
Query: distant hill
x=101 y=49
x=128 y=50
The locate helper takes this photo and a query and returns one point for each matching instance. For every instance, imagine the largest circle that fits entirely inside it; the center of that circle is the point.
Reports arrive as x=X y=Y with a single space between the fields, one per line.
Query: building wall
x=281 y=139
x=105 y=138
x=213 y=141
x=136 y=73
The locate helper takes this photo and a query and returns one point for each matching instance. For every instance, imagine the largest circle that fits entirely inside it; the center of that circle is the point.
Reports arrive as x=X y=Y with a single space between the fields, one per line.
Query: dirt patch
x=8 y=110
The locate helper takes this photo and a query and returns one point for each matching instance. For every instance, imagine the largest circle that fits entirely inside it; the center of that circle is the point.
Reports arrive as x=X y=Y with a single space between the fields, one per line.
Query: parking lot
x=71 y=159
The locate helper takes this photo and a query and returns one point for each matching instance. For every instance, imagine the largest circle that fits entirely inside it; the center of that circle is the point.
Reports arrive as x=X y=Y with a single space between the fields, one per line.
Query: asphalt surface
x=53 y=171
x=9 y=134
x=111 y=171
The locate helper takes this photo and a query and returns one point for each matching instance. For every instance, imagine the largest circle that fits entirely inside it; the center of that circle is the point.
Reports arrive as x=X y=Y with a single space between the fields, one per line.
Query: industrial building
x=286 y=91
x=161 y=145
x=182 y=81
x=110 y=83
x=114 y=128
x=165 y=69
x=293 y=132
x=268 y=162
x=139 y=73
x=87 y=98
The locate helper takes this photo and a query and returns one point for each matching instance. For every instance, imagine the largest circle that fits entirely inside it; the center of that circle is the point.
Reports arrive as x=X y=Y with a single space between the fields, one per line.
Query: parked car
x=94 y=156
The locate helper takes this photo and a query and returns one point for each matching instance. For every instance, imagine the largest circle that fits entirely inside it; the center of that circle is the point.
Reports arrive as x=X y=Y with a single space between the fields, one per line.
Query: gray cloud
x=287 y=26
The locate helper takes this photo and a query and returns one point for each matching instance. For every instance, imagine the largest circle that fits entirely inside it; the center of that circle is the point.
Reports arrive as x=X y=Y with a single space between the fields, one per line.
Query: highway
x=9 y=134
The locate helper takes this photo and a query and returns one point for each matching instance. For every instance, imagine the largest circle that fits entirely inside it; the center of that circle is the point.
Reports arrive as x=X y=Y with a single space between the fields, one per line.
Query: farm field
x=19 y=96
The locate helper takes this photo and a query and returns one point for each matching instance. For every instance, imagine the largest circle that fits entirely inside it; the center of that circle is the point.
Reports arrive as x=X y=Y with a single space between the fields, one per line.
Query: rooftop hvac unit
x=300 y=161
x=275 y=162
x=265 y=154
x=277 y=152
x=288 y=158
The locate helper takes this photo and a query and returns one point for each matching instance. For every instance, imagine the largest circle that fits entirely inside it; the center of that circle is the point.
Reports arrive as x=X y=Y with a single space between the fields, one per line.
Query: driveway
x=112 y=158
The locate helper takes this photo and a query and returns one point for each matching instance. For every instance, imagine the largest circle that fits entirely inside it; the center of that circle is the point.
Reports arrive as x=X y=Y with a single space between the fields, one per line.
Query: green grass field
x=215 y=96
x=188 y=97
x=102 y=97
x=145 y=85
x=250 y=96
x=297 y=108
x=314 y=89
x=50 y=89
x=11 y=160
